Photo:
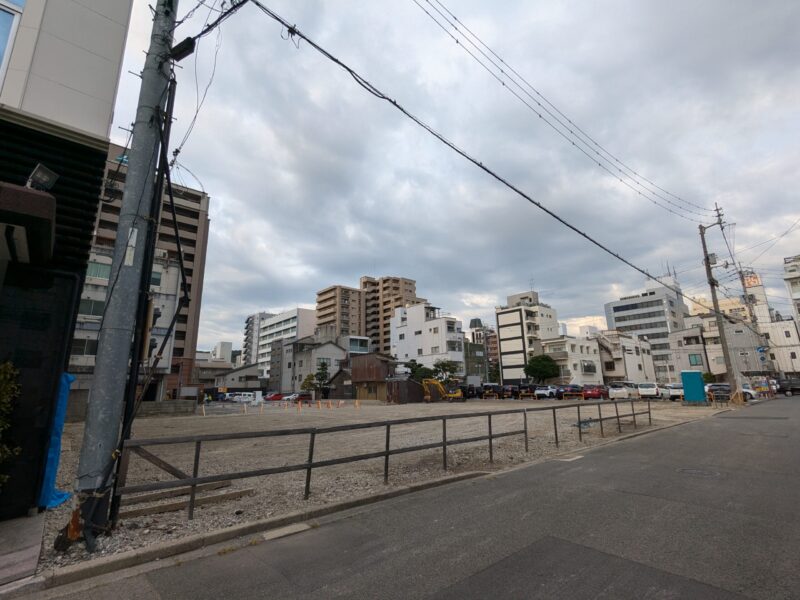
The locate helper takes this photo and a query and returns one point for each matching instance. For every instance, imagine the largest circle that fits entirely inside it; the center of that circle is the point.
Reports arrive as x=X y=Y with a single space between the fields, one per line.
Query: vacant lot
x=278 y=494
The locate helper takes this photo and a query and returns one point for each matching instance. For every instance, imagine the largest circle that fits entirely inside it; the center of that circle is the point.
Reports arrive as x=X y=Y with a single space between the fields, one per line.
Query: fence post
x=386 y=456
x=649 y=415
x=310 y=462
x=525 y=422
x=555 y=426
x=633 y=412
x=600 y=418
x=616 y=409
x=195 y=471
x=444 y=443
x=580 y=429
x=491 y=450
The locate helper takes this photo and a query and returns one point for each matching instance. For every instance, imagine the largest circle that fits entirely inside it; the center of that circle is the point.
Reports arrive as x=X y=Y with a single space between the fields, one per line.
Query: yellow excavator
x=428 y=385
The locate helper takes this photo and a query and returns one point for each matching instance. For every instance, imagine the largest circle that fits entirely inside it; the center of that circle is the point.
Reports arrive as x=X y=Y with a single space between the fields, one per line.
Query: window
x=640 y=366
x=155 y=278
x=435 y=330
x=418 y=332
x=771 y=356
x=787 y=334
x=435 y=350
x=300 y=364
x=83 y=348
x=402 y=336
x=10 y=12
x=608 y=365
x=696 y=360
x=98 y=270
x=323 y=361
x=766 y=336
x=792 y=355
x=93 y=308
x=419 y=351
x=454 y=346
x=638 y=352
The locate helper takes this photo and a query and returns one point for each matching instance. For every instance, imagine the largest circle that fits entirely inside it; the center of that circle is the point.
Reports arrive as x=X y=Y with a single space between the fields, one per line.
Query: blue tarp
x=50 y=497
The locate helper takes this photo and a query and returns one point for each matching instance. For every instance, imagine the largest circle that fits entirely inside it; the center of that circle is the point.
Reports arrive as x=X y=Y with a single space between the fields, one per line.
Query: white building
x=652 y=315
x=222 y=351
x=783 y=343
x=578 y=359
x=791 y=275
x=421 y=333
x=295 y=323
x=164 y=294
x=521 y=326
x=625 y=357
x=252 y=327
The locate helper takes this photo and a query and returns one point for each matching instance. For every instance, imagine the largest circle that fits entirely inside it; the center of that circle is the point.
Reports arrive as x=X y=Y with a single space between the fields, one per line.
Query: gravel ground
x=280 y=494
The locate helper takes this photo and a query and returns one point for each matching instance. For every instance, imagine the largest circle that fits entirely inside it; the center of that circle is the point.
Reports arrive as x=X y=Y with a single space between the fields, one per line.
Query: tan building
x=343 y=308
x=382 y=296
x=191 y=209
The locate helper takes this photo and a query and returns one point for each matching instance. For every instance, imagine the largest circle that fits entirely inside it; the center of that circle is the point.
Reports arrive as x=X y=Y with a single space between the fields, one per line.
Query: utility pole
x=745 y=295
x=115 y=340
x=731 y=376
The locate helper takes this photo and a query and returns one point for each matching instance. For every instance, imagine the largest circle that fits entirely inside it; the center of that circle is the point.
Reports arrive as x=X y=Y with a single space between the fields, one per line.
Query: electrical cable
x=369 y=87
x=586 y=140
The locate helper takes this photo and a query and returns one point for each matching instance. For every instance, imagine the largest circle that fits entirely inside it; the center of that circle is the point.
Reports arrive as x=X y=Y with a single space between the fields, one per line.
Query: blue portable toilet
x=694 y=388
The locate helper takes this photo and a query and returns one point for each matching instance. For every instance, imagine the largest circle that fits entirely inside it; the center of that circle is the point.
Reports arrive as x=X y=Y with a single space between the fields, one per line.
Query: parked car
x=789 y=387
x=244 y=397
x=510 y=391
x=595 y=392
x=546 y=391
x=672 y=391
x=649 y=390
x=492 y=388
x=622 y=390
x=572 y=388
x=273 y=396
x=725 y=389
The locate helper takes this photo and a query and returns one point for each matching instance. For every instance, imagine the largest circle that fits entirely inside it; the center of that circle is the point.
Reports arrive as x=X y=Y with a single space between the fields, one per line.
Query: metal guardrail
x=137 y=446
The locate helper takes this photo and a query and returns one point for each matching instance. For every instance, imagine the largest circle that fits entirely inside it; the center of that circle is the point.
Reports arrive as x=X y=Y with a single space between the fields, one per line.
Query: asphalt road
x=705 y=510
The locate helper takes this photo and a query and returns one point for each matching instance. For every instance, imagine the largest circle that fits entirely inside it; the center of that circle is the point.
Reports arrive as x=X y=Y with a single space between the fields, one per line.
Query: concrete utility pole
x=731 y=376
x=107 y=396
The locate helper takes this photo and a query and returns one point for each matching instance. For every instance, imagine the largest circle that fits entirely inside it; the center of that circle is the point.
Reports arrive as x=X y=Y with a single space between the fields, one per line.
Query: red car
x=273 y=397
x=595 y=392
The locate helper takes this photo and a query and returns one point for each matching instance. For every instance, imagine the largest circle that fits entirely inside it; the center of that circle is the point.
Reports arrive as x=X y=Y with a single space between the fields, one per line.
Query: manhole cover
x=699 y=472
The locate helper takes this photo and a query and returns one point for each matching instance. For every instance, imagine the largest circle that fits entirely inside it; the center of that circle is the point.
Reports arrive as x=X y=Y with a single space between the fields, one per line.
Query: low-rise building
x=625 y=357
x=578 y=359
x=791 y=276
x=242 y=379
x=420 y=332
x=783 y=346
x=369 y=374
x=476 y=361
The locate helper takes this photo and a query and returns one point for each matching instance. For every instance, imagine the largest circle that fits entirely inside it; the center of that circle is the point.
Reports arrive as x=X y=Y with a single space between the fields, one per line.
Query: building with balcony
x=343 y=308
x=522 y=324
x=624 y=357
x=252 y=328
x=578 y=359
x=486 y=335
x=382 y=296
x=291 y=324
x=791 y=276
x=652 y=315
x=422 y=333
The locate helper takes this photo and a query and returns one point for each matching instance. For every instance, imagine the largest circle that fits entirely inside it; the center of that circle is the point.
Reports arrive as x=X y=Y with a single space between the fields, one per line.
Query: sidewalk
x=20 y=543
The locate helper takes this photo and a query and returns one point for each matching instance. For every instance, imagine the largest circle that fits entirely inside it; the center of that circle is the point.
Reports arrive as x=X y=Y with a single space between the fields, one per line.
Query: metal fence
x=182 y=479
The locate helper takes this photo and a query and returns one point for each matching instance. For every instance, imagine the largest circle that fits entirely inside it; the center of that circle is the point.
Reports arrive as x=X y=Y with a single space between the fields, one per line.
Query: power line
x=369 y=87
x=588 y=145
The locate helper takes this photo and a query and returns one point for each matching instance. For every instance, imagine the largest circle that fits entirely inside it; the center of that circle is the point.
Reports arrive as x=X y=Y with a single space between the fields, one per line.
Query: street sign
x=762 y=349
x=763 y=358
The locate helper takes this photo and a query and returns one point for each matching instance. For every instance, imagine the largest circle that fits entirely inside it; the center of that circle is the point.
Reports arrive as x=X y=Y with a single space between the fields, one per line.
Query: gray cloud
x=315 y=182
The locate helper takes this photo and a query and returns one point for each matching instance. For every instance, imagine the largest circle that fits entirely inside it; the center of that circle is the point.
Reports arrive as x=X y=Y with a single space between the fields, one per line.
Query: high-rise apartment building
x=382 y=296
x=291 y=324
x=652 y=315
x=343 y=308
x=252 y=327
x=191 y=210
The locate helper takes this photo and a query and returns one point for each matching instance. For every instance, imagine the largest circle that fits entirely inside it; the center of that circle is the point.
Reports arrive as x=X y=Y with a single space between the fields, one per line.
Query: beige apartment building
x=343 y=308
x=382 y=296
x=191 y=209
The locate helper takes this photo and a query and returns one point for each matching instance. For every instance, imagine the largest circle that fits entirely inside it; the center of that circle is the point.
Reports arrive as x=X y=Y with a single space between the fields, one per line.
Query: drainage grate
x=699 y=472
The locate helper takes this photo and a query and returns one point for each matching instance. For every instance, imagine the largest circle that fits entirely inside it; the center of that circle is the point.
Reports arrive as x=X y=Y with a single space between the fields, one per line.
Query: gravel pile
x=280 y=494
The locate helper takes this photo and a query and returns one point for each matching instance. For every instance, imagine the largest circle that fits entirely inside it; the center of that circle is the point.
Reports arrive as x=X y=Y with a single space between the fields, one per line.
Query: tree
x=445 y=368
x=322 y=375
x=541 y=367
x=494 y=373
x=708 y=377
x=309 y=383
x=419 y=372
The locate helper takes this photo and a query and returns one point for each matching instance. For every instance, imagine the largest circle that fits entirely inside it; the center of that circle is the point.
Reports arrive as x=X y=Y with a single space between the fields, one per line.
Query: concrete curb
x=139 y=556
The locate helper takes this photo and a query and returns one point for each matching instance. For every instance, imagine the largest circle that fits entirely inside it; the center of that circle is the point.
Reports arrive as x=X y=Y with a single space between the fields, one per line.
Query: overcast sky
x=315 y=182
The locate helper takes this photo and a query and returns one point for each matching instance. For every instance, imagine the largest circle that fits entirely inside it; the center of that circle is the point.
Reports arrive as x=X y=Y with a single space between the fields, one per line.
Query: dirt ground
x=283 y=493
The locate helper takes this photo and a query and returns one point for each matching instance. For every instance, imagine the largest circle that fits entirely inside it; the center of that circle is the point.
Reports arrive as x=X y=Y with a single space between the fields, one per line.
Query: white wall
x=431 y=343
x=65 y=62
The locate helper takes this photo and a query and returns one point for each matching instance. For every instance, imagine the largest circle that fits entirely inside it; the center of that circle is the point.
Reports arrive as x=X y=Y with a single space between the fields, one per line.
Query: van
x=244 y=397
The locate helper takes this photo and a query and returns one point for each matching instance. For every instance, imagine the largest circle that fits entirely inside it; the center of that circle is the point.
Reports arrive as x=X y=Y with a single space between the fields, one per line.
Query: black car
x=789 y=387
x=492 y=388
x=568 y=389
x=510 y=391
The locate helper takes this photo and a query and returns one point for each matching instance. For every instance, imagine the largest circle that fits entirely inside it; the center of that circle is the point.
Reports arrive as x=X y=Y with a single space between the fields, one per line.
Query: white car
x=546 y=391
x=621 y=390
x=244 y=397
x=649 y=390
x=672 y=391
